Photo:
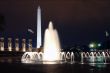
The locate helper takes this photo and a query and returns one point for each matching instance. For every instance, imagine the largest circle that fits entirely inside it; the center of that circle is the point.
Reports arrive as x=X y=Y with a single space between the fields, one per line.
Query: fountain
x=52 y=54
x=51 y=49
x=95 y=57
x=51 y=44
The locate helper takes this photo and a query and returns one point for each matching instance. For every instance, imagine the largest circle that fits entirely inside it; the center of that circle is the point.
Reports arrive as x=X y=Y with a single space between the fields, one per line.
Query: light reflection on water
x=9 y=60
x=52 y=67
x=98 y=65
x=17 y=60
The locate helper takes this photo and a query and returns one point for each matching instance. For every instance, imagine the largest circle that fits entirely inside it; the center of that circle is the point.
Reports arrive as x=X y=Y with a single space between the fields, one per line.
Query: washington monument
x=39 y=40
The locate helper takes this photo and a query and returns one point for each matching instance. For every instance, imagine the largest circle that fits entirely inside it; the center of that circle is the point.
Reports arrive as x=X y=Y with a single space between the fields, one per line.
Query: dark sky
x=77 y=21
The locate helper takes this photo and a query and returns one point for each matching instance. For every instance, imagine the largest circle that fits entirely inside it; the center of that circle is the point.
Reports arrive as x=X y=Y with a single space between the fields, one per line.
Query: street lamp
x=93 y=46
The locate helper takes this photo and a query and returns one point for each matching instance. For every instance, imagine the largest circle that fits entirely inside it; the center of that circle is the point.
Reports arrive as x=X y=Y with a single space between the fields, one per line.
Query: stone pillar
x=16 y=44
x=2 y=44
x=30 y=45
x=9 y=44
x=24 y=45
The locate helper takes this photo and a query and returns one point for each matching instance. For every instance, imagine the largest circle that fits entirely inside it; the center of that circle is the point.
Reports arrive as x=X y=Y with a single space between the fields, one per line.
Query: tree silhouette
x=2 y=23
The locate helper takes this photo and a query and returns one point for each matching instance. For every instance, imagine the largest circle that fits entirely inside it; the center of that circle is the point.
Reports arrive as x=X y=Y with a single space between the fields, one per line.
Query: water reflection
x=52 y=67
x=10 y=60
x=98 y=65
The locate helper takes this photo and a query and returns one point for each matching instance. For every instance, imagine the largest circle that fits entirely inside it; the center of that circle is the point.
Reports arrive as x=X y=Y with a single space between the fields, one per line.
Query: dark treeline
x=2 y=22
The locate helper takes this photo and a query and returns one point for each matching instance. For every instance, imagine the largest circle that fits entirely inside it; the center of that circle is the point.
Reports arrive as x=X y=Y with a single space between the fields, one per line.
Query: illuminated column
x=17 y=44
x=39 y=27
x=23 y=45
x=30 y=44
x=9 y=44
x=1 y=44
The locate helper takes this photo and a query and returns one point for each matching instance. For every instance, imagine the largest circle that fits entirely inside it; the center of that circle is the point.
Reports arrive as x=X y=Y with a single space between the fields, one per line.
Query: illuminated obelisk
x=39 y=27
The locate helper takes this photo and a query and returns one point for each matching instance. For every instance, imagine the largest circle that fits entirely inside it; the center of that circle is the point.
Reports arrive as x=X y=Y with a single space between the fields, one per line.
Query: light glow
x=91 y=45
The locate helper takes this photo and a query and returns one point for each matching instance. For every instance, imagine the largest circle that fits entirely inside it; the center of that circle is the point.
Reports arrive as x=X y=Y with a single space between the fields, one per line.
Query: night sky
x=77 y=21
